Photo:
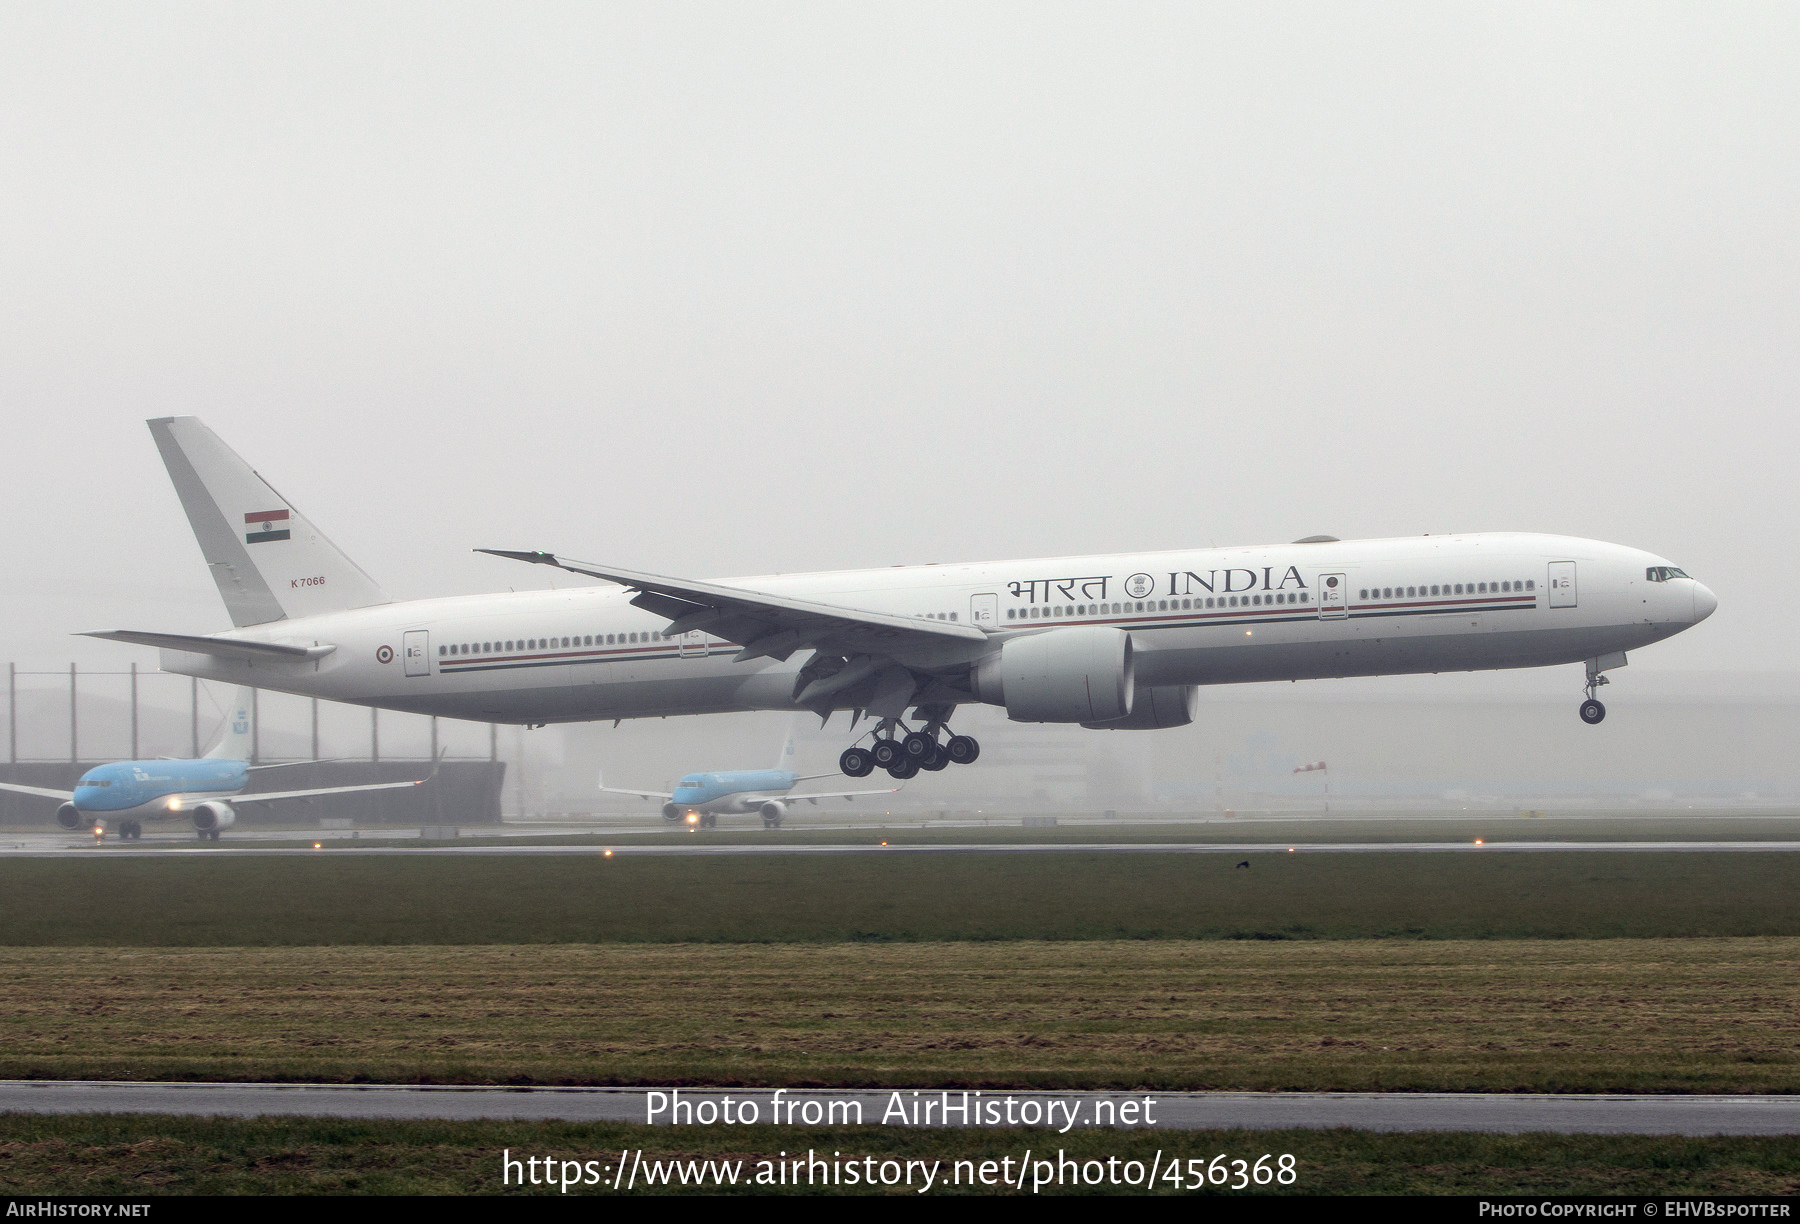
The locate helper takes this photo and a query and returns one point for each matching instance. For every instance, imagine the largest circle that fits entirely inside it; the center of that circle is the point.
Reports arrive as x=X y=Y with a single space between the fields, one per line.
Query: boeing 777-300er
x=1117 y=642
x=699 y=798
x=202 y=792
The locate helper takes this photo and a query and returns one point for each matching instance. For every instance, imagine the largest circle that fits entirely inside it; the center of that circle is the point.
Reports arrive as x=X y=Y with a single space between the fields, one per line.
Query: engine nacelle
x=672 y=812
x=773 y=811
x=1155 y=708
x=69 y=818
x=212 y=816
x=1081 y=674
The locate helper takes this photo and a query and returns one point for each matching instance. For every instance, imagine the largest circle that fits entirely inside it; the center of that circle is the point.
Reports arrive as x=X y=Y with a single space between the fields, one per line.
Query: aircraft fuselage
x=1211 y=616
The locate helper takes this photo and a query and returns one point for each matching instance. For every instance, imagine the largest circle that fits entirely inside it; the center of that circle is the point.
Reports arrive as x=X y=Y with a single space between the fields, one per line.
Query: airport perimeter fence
x=61 y=723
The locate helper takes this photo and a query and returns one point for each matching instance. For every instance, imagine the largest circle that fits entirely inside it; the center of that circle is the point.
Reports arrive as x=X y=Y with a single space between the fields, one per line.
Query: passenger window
x=1530 y=585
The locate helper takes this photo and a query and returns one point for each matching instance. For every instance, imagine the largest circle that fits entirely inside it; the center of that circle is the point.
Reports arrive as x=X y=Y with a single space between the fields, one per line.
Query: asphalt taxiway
x=1499 y=1113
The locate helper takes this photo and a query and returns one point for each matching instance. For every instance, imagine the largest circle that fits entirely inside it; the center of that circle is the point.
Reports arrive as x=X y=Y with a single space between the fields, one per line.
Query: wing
x=614 y=790
x=39 y=791
x=224 y=648
x=287 y=764
x=776 y=626
x=840 y=794
x=272 y=796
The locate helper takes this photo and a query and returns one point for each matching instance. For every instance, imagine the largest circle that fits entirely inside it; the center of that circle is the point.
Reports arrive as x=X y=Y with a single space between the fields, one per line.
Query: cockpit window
x=94 y=782
x=1662 y=573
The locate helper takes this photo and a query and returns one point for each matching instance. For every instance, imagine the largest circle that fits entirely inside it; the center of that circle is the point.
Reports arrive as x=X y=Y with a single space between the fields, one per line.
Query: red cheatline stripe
x=266 y=516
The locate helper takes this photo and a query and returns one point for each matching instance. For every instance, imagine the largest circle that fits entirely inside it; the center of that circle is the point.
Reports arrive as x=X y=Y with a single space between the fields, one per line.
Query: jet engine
x=671 y=811
x=1155 y=708
x=213 y=816
x=68 y=817
x=772 y=812
x=1080 y=674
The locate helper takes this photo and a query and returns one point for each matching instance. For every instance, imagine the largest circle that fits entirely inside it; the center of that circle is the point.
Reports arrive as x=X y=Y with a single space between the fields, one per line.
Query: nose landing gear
x=1592 y=711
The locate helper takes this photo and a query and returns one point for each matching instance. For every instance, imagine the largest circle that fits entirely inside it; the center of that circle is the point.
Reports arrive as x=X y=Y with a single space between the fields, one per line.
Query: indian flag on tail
x=265 y=525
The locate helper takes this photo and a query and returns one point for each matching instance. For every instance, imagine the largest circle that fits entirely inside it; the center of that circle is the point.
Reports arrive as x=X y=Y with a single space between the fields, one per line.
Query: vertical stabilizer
x=789 y=754
x=269 y=561
x=237 y=735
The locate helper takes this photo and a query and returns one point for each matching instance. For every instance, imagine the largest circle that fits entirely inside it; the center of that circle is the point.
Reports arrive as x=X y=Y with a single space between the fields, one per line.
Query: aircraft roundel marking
x=384 y=654
x=1139 y=585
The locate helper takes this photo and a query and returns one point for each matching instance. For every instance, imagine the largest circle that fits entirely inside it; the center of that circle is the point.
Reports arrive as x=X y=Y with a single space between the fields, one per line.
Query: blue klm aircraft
x=124 y=794
x=698 y=798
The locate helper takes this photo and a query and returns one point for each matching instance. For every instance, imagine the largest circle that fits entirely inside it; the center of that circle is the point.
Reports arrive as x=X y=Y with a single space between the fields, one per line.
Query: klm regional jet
x=699 y=798
x=1117 y=642
x=124 y=794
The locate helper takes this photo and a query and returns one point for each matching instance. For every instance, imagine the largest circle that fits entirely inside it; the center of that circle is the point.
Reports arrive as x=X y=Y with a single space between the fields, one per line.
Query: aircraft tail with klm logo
x=236 y=737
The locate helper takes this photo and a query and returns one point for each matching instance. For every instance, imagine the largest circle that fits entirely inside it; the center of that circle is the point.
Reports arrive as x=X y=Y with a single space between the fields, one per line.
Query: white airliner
x=1117 y=642
x=701 y=798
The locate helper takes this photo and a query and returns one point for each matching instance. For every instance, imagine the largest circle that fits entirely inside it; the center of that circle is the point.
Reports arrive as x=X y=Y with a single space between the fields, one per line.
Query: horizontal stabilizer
x=223 y=648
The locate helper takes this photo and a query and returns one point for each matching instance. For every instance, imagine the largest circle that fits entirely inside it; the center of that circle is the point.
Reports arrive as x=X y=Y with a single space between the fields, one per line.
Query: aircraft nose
x=1704 y=602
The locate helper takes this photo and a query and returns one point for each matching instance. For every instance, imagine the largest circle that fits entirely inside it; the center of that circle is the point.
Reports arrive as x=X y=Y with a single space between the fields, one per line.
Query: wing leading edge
x=775 y=626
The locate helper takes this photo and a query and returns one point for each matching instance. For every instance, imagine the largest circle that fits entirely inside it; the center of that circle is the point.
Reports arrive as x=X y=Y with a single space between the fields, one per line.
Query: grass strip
x=356 y=900
x=1685 y=1016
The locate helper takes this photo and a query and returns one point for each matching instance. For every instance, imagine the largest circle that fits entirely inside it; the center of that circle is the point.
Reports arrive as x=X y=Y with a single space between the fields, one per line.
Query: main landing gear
x=904 y=753
x=130 y=830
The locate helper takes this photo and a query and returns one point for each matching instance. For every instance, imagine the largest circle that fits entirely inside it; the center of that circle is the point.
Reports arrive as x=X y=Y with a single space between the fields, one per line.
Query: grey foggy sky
x=726 y=289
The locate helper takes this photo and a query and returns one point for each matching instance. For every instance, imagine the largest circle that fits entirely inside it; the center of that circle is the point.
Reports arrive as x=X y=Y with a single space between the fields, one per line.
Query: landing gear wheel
x=918 y=745
x=936 y=759
x=1592 y=711
x=903 y=768
x=857 y=762
x=962 y=750
x=709 y=820
x=885 y=752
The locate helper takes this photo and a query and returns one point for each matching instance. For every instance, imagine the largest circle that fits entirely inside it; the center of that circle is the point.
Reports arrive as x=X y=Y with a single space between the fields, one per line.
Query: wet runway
x=700 y=847
x=1487 y=1112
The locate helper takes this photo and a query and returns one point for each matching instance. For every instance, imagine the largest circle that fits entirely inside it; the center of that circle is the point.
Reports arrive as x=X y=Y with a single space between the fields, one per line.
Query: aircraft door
x=417 y=648
x=1334 y=597
x=693 y=644
x=1562 y=584
x=984 y=611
